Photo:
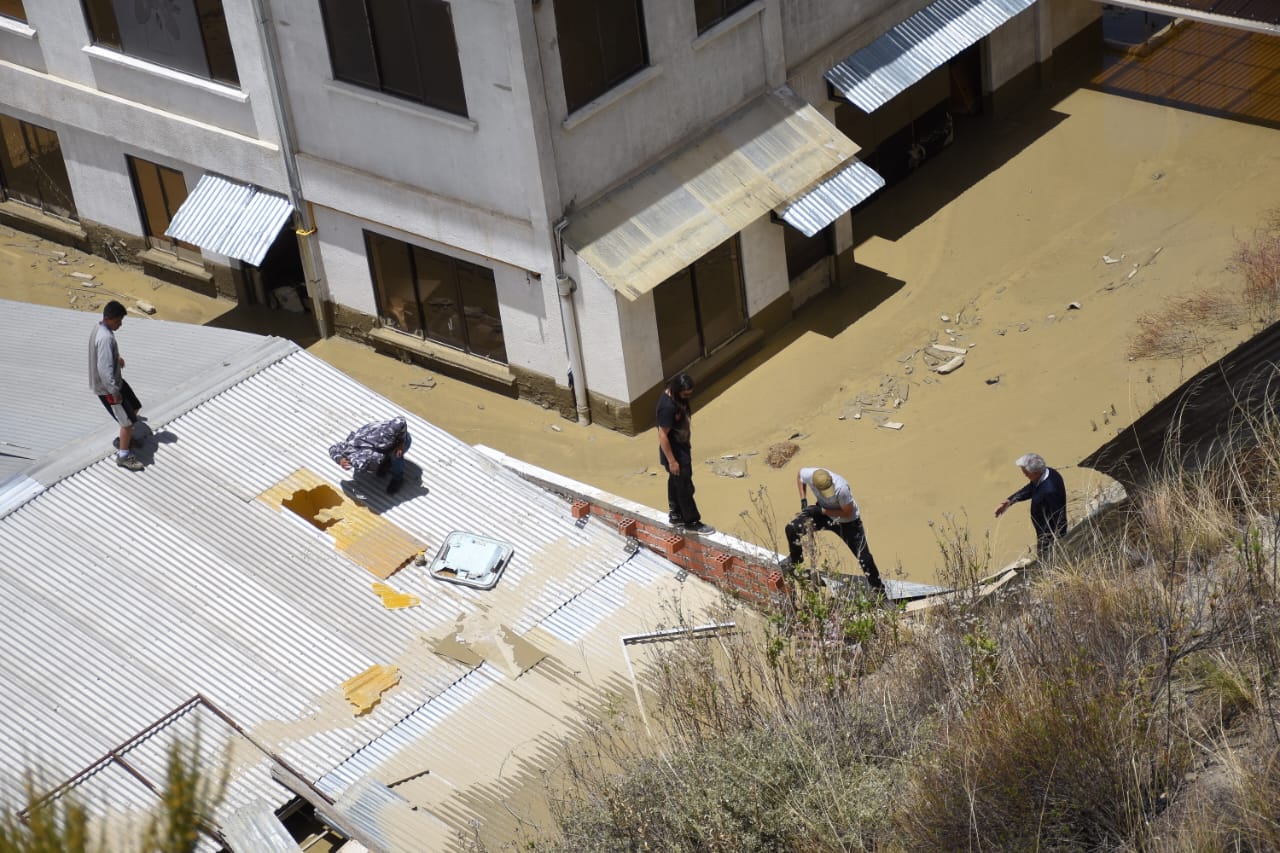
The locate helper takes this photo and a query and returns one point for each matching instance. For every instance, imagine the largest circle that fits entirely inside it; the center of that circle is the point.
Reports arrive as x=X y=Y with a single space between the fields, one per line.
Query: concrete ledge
x=170 y=268
x=37 y=222
x=451 y=362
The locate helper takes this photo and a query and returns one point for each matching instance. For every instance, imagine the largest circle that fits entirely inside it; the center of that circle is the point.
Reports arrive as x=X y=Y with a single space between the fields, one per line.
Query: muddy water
x=1000 y=233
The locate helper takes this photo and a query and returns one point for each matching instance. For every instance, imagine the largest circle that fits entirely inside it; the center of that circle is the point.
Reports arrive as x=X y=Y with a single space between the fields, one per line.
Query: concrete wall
x=104 y=105
x=483 y=159
x=691 y=81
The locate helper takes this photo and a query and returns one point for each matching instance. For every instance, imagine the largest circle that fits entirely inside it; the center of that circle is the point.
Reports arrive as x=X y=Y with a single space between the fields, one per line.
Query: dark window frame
x=700 y=322
x=215 y=40
x=711 y=12
x=588 y=68
x=179 y=248
x=36 y=154
x=13 y=10
x=358 y=60
x=424 y=316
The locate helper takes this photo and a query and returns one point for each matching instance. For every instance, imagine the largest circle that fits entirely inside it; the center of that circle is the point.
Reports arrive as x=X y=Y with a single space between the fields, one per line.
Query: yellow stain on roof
x=365 y=690
x=394 y=600
x=375 y=543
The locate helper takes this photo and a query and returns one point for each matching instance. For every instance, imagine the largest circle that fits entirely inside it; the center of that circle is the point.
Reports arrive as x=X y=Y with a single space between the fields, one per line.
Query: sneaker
x=786 y=566
x=394 y=485
x=675 y=520
x=130 y=462
x=699 y=528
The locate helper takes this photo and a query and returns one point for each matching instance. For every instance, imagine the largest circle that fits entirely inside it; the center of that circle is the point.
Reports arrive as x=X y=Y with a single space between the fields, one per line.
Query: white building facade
x=568 y=200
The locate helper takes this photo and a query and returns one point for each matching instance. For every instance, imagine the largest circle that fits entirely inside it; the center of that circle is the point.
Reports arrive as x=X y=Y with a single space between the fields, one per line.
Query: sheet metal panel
x=128 y=593
x=834 y=196
x=873 y=75
x=48 y=403
x=758 y=159
x=230 y=218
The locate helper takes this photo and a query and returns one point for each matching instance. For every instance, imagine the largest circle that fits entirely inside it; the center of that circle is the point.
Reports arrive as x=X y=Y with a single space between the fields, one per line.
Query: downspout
x=565 y=286
x=304 y=223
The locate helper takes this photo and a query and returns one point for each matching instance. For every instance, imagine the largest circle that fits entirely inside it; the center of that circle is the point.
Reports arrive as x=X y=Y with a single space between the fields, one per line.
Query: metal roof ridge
x=86 y=450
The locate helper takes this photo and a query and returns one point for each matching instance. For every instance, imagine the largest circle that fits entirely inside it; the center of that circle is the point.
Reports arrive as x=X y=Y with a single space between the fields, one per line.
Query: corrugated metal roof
x=837 y=194
x=1262 y=16
x=126 y=594
x=662 y=221
x=255 y=829
x=232 y=219
x=58 y=381
x=873 y=75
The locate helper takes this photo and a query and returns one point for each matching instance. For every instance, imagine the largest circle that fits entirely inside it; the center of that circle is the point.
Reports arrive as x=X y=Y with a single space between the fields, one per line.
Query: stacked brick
x=736 y=572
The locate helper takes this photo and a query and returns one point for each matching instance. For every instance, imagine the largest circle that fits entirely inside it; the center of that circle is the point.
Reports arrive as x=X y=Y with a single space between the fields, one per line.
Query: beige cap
x=822 y=483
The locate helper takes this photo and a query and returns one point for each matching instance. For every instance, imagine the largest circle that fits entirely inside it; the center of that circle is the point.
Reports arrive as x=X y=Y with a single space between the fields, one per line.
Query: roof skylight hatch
x=471 y=560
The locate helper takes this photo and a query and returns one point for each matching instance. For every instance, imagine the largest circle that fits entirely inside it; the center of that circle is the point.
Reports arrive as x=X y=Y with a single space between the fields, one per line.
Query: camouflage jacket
x=367 y=447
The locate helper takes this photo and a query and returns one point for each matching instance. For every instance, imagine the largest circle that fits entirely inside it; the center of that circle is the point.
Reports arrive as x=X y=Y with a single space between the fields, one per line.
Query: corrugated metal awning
x=872 y=76
x=758 y=159
x=232 y=219
x=834 y=195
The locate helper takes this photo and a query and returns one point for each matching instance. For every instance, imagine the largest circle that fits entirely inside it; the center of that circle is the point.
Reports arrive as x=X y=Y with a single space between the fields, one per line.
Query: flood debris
x=730 y=466
x=954 y=364
x=780 y=453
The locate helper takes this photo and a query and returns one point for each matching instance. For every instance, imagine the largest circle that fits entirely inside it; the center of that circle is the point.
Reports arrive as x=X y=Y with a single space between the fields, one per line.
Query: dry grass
x=1189 y=325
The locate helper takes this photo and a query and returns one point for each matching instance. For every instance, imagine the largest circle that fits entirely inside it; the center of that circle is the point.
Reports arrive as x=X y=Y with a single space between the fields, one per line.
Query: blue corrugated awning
x=232 y=219
x=834 y=195
x=872 y=76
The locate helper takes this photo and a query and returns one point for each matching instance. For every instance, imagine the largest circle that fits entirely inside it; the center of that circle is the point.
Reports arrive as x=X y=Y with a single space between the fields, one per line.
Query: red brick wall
x=737 y=571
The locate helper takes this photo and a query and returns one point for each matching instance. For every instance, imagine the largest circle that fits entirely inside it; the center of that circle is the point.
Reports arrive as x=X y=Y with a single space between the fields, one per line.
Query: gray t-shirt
x=841 y=497
x=104 y=362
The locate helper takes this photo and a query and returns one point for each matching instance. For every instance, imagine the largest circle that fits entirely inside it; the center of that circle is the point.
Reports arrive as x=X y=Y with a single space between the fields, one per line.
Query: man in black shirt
x=675 y=452
x=1048 y=496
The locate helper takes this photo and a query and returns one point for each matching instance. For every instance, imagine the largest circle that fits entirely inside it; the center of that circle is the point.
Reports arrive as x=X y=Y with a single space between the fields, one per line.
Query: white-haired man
x=1048 y=496
x=835 y=510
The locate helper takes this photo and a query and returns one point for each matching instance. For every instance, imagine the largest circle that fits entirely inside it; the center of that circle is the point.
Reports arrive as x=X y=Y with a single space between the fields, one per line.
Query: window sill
x=730 y=23
x=370 y=96
x=124 y=60
x=449 y=359
x=617 y=93
x=18 y=28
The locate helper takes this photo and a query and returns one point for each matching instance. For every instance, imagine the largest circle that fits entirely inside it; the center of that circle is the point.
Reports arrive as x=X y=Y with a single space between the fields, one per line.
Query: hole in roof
x=313 y=505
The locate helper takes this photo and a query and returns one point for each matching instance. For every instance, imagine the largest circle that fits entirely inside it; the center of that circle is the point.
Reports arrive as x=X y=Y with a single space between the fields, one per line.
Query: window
x=189 y=35
x=437 y=297
x=12 y=9
x=804 y=252
x=712 y=12
x=32 y=170
x=160 y=193
x=405 y=48
x=700 y=308
x=602 y=43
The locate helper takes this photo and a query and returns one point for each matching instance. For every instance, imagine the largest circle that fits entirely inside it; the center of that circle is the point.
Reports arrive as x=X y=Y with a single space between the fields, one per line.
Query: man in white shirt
x=835 y=510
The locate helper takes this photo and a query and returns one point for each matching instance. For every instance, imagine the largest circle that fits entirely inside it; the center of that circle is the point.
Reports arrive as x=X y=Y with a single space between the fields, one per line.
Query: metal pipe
x=304 y=225
x=565 y=286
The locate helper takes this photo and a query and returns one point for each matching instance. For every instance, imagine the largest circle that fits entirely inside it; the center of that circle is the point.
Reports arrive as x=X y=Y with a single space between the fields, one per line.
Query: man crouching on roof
x=376 y=448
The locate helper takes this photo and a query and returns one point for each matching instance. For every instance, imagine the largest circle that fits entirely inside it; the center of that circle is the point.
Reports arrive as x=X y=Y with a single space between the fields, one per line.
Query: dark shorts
x=124 y=412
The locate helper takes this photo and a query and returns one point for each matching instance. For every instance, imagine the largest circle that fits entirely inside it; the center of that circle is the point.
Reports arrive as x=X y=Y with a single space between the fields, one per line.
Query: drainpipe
x=304 y=223
x=565 y=286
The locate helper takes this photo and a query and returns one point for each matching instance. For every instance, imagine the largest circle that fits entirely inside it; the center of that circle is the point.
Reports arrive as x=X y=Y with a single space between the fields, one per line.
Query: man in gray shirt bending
x=834 y=510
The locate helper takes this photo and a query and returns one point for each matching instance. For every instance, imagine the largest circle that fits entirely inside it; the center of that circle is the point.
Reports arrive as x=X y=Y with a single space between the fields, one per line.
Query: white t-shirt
x=841 y=497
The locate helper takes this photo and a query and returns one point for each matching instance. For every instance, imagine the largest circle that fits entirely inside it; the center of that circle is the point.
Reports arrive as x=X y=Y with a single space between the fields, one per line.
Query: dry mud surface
x=1000 y=235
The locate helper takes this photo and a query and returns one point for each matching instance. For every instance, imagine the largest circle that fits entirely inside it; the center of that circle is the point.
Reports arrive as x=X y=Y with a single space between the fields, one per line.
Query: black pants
x=680 y=502
x=851 y=532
